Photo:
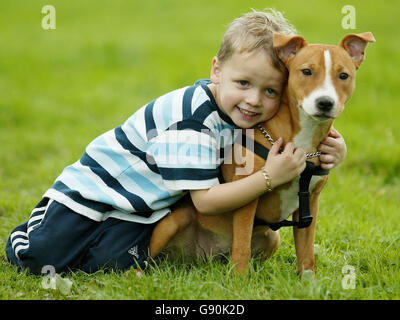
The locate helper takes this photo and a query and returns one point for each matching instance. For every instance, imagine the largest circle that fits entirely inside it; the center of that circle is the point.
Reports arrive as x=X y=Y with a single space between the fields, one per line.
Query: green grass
x=62 y=88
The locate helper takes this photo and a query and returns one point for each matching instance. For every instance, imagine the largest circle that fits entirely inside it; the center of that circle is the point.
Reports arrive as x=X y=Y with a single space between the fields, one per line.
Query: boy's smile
x=247 y=87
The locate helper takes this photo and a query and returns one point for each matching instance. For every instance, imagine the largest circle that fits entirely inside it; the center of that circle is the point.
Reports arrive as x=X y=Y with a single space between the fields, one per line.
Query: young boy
x=101 y=210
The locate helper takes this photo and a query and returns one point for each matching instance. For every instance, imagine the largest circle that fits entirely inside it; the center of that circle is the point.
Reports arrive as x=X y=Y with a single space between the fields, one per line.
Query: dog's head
x=322 y=77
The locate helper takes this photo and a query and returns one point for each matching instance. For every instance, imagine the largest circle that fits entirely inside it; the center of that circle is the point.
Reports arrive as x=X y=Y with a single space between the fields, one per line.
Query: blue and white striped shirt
x=137 y=170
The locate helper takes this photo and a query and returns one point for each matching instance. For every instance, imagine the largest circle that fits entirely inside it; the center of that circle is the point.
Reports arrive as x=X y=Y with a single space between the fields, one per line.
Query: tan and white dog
x=321 y=80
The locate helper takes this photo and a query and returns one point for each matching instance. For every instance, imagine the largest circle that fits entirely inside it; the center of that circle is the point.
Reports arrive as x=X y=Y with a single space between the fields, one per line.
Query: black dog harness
x=305 y=218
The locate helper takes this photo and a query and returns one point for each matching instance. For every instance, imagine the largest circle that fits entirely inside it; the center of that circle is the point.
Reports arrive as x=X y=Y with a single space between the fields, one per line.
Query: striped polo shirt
x=136 y=171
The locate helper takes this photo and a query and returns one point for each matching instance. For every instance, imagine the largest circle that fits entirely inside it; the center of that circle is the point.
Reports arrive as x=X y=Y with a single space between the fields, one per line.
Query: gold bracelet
x=267 y=179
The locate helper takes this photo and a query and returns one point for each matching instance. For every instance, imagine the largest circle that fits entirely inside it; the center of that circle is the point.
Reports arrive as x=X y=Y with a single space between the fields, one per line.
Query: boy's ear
x=287 y=46
x=215 y=70
x=355 y=45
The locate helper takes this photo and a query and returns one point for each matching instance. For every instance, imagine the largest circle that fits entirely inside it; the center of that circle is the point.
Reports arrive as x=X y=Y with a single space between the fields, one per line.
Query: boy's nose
x=253 y=98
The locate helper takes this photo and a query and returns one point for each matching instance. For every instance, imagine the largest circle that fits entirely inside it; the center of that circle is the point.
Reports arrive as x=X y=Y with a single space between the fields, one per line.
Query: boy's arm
x=281 y=168
x=229 y=196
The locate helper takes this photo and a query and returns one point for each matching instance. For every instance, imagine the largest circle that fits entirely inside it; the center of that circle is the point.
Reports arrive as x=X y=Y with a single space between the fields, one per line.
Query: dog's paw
x=307 y=275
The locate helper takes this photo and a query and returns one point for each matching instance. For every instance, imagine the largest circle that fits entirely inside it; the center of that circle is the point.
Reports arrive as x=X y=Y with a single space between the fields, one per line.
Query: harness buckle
x=305 y=218
x=305 y=222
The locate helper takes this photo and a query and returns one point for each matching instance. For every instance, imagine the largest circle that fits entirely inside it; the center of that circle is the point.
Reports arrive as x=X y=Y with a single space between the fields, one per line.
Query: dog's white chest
x=290 y=197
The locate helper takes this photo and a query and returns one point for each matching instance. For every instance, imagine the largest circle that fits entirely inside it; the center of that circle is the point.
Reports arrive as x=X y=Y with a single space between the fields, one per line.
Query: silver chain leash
x=272 y=141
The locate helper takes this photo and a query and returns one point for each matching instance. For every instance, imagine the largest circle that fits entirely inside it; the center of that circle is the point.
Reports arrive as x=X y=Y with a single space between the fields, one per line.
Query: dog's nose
x=325 y=103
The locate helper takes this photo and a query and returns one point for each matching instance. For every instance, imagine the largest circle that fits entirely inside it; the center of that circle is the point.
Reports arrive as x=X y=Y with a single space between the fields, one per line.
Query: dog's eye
x=306 y=72
x=343 y=76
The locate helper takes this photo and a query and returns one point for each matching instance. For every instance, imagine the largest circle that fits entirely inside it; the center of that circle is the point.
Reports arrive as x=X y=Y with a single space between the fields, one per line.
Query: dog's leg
x=243 y=221
x=181 y=216
x=304 y=239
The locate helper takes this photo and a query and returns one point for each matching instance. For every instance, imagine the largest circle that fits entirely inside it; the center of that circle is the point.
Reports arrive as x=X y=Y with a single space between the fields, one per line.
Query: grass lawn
x=62 y=88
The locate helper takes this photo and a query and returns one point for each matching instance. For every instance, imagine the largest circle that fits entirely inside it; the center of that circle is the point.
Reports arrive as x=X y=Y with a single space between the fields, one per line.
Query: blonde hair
x=252 y=31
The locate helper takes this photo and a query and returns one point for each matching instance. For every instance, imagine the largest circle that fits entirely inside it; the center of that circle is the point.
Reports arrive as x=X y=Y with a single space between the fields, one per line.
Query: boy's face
x=247 y=87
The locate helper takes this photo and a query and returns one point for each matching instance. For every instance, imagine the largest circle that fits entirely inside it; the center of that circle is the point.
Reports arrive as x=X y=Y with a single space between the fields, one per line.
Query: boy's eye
x=306 y=72
x=270 y=91
x=243 y=83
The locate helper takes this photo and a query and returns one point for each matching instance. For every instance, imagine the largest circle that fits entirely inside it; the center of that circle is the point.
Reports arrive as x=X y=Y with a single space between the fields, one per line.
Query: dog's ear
x=286 y=47
x=355 y=45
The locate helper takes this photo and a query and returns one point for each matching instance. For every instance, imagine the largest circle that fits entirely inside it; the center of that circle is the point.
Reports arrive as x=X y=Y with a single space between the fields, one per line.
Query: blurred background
x=61 y=88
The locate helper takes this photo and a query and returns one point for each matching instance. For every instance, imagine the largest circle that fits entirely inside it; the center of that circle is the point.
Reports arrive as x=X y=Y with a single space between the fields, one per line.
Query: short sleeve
x=186 y=156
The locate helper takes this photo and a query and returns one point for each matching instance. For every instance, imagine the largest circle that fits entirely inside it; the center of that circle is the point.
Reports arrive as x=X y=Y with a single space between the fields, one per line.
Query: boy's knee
x=38 y=255
x=26 y=259
x=34 y=252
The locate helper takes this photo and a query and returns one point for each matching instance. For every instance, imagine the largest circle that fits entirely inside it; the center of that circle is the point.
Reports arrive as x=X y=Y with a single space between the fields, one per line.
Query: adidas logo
x=134 y=252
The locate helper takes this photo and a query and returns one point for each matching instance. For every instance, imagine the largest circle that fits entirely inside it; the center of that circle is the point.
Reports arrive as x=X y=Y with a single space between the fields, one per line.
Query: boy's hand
x=285 y=166
x=334 y=150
